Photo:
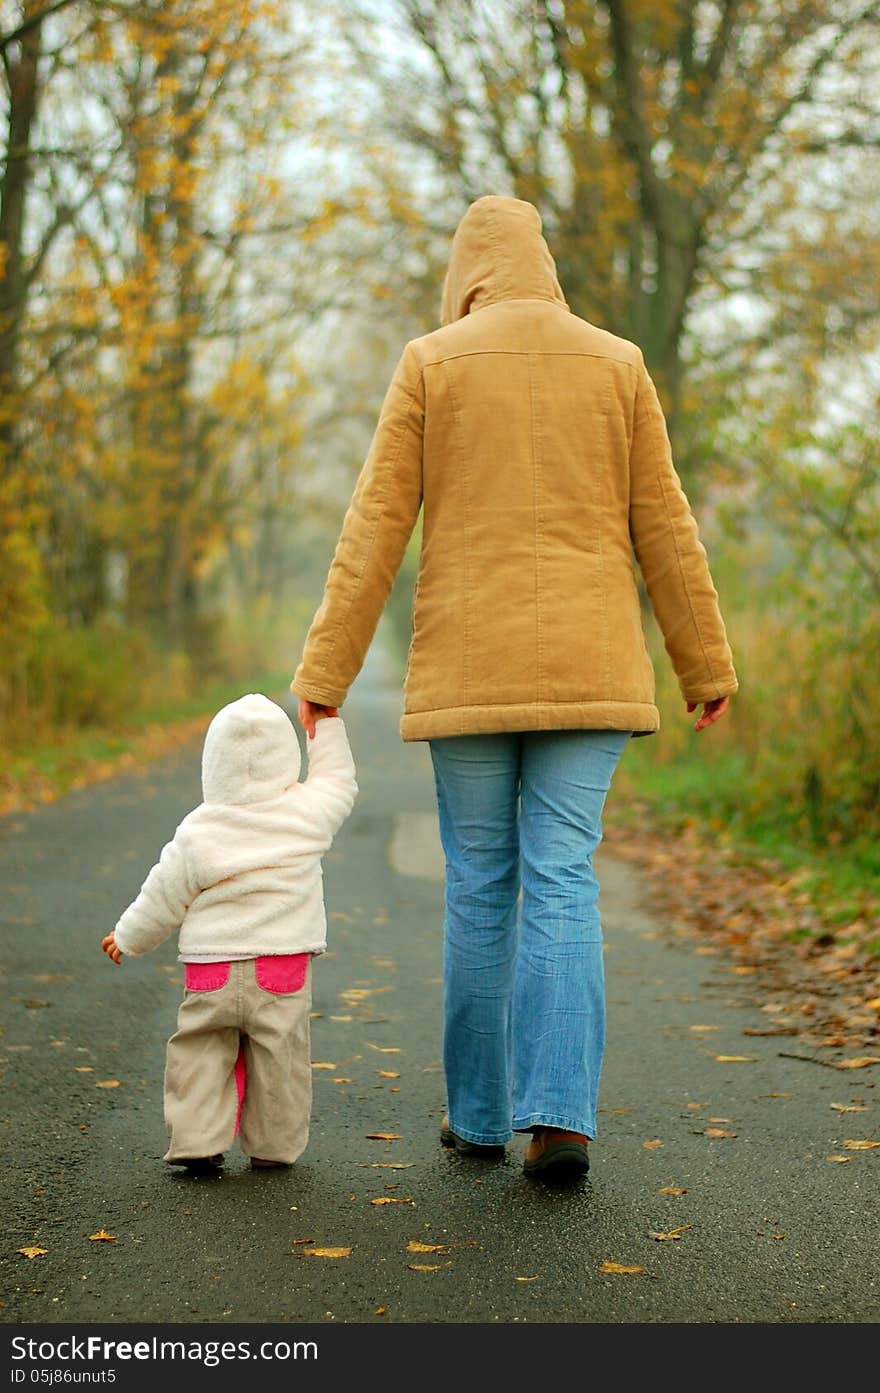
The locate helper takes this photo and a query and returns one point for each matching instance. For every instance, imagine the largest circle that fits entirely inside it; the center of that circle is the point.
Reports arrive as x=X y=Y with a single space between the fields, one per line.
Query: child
x=242 y=882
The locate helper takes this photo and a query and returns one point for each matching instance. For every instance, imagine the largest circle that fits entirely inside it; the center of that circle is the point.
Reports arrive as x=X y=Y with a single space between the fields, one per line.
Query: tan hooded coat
x=537 y=447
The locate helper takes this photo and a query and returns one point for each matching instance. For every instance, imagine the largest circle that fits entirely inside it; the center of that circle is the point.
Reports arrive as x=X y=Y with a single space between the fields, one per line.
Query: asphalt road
x=752 y=1226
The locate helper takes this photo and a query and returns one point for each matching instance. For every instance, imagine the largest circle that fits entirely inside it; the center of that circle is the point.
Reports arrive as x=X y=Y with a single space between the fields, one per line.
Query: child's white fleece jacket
x=242 y=874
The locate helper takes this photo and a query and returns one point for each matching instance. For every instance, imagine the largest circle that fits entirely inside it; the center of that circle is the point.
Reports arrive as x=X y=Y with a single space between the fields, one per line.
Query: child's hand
x=109 y=946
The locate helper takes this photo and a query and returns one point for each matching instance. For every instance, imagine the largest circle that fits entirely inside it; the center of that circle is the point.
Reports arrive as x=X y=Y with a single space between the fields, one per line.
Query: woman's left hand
x=311 y=711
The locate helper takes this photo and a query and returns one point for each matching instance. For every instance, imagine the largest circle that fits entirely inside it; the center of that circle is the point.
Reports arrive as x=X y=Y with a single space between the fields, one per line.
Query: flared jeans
x=523 y=974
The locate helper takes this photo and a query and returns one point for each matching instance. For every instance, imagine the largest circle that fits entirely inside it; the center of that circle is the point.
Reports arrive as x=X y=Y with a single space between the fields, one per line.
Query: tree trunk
x=22 y=63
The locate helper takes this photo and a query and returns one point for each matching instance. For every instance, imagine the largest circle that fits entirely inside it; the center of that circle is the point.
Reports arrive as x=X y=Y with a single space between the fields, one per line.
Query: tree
x=655 y=136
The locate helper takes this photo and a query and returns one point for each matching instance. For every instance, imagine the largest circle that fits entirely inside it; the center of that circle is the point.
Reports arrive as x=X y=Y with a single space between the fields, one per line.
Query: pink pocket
x=282 y=973
x=205 y=977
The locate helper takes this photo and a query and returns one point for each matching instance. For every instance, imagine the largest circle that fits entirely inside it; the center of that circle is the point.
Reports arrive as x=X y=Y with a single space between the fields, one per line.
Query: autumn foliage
x=191 y=191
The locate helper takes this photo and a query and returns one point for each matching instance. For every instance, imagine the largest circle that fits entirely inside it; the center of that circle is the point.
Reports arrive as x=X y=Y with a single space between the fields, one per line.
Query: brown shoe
x=468 y=1148
x=555 y=1153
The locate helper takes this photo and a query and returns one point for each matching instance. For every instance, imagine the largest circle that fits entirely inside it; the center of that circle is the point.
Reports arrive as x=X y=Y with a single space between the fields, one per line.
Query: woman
x=537 y=447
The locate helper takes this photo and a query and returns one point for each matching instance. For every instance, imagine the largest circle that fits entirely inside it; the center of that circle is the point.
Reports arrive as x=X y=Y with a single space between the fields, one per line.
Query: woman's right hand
x=712 y=711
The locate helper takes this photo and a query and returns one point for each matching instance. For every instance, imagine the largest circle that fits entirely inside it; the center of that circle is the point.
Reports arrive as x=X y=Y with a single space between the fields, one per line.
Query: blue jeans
x=524 y=1002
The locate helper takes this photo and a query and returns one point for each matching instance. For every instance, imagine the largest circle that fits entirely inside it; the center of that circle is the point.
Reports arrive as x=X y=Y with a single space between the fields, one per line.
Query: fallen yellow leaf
x=849 y=1107
x=427 y=1266
x=840 y=1159
x=327 y=1252
x=873 y=1004
x=673 y=1233
x=390 y=1199
x=342 y=1080
x=852 y=1145
x=83 y=1069
x=652 y=1145
x=384 y=1136
x=860 y=1062
x=32 y=1252
x=672 y=1190
x=704 y=1027
x=387 y=1165
x=736 y=1058
x=387 y=1074
x=619 y=1267
x=717 y=1132
x=325 y=1066
x=528 y=1279
x=102 y=1236
x=414 y=1246
x=384 y=1049
x=106 y=1083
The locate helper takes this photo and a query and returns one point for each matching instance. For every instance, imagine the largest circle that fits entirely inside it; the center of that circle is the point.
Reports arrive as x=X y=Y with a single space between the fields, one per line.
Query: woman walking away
x=536 y=445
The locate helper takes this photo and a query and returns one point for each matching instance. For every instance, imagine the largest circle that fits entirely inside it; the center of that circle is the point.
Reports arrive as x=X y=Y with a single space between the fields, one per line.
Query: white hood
x=251 y=752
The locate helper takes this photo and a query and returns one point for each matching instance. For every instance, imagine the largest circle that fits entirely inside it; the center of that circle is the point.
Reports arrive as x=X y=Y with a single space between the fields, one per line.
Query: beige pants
x=239 y=1062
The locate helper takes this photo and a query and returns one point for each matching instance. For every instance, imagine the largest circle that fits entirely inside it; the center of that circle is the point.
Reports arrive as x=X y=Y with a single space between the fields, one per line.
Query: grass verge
x=717 y=803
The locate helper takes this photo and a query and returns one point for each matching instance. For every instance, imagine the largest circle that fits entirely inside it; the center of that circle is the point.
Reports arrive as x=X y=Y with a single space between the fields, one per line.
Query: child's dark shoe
x=200 y=1165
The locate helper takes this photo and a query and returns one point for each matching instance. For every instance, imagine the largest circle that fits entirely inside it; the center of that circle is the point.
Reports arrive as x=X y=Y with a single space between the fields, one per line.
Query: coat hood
x=498 y=253
x=251 y=752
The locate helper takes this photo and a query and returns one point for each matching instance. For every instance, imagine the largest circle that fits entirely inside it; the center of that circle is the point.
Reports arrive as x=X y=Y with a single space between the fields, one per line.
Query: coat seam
x=528 y=353
x=465 y=559
x=555 y=701
x=535 y=412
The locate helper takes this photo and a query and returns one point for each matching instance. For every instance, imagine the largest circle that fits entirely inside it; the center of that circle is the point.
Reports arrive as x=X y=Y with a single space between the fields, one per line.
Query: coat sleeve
x=330 y=781
x=673 y=560
x=158 y=911
x=377 y=526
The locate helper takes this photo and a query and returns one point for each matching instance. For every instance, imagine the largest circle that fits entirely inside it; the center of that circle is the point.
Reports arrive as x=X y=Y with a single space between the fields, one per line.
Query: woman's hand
x=310 y=711
x=712 y=711
x=109 y=946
